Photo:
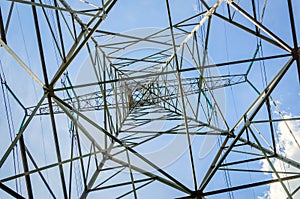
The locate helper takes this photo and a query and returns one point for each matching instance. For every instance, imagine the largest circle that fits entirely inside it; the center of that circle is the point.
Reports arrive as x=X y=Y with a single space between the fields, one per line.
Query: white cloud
x=289 y=148
x=264 y=196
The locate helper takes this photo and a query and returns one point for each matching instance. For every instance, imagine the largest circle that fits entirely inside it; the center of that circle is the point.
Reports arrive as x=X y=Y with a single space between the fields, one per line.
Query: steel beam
x=2 y=30
x=10 y=191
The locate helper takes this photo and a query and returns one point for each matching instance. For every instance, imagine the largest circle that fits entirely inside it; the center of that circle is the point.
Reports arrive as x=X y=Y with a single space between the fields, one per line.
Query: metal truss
x=119 y=114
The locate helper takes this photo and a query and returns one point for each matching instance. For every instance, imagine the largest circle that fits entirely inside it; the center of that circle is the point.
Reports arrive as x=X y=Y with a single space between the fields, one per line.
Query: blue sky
x=227 y=43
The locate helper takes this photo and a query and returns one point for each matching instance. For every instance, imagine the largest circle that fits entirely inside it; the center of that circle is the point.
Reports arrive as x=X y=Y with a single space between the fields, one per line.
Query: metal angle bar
x=293 y=24
x=244 y=161
x=131 y=138
x=259 y=171
x=131 y=176
x=2 y=30
x=179 y=27
x=245 y=152
x=26 y=68
x=112 y=168
x=271 y=124
x=21 y=131
x=254 y=14
x=104 y=89
x=257 y=104
x=9 y=16
x=10 y=191
x=25 y=167
x=71 y=165
x=114 y=87
x=228 y=11
x=135 y=60
x=276 y=120
x=176 y=132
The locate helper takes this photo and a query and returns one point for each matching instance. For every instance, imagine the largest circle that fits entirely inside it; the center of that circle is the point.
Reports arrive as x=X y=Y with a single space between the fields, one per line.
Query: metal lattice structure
x=98 y=104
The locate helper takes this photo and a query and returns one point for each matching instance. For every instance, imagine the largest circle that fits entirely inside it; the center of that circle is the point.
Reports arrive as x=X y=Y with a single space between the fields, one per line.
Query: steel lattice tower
x=144 y=99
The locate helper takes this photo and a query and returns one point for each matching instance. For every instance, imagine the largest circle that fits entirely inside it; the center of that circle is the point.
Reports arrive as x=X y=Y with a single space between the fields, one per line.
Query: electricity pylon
x=188 y=110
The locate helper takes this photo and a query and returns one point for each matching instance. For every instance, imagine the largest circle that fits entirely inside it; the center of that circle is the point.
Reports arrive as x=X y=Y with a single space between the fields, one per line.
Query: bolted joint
x=106 y=156
x=296 y=53
x=197 y=195
x=48 y=90
x=247 y=123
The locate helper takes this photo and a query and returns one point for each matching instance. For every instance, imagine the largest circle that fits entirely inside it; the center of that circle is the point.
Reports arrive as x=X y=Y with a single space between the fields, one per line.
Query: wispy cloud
x=289 y=148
